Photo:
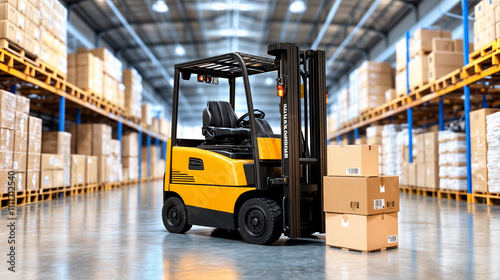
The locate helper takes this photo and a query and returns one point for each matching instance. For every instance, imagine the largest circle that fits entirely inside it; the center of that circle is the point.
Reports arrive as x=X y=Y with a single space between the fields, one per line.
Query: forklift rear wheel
x=260 y=221
x=174 y=216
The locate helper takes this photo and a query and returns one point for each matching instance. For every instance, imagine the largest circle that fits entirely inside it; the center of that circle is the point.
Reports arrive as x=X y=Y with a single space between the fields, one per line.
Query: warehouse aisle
x=119 y=234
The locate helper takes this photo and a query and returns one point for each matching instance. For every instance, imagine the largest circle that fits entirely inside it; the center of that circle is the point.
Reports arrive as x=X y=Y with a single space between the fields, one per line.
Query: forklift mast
x=303 y=130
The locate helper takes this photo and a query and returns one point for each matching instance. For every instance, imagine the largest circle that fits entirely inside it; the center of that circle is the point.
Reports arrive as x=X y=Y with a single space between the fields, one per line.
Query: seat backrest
x=219 y=114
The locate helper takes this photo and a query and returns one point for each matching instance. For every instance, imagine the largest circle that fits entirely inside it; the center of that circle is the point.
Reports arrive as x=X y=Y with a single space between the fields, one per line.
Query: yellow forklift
x=242 y=176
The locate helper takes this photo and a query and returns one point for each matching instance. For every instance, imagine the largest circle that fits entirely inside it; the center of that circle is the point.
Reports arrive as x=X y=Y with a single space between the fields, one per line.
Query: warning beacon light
x=207 y=79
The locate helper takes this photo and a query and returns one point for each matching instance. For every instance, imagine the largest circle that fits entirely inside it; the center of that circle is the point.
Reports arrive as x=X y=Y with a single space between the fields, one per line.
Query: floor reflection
x=119 y=234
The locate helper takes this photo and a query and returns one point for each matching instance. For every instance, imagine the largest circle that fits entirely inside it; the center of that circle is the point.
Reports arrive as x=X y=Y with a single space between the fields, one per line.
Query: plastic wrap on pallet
x=453 y=146
x=453 y=171
x=493 y=154
x=389 y=149
x=453 y=184
x=445 y=136
x=453 y=159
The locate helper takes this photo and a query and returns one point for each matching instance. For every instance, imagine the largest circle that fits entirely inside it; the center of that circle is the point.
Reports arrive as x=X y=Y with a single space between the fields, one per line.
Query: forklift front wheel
x=174 y=215
x=260 y=221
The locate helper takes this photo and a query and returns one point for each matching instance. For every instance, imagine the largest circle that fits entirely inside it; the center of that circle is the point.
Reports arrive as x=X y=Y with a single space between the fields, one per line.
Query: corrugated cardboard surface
x=52 y=162
x=421 y=175
x=361 y=195
x=432 y=175
x=362 y=232
x=32 y=180
x=78 y=165
x=431 y=147
x=91 y=169
x=353 y=160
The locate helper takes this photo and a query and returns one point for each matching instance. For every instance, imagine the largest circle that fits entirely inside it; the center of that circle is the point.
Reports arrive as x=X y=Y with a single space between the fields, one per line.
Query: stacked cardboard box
x=486 y=23
x=86 y=71
x=375 y=79
x=91 y=170
x=59 y=143
x=479 y=149
x=354 y=109
x=361 y=207
x=154 y=158
x=53 y=26
x=452 y=161
x=133 y=92
x=431 y=155
x=146 y=118
x=390 y=94
x=446 y=57
x=419 y=146
x=130 y=153
x=78 y=170
x=374 y=137
x=19 y=163
x=34 y=153
x=7 y=135
x=343 y=105
x=52 y=174
x=164 y=126
x=493 y=155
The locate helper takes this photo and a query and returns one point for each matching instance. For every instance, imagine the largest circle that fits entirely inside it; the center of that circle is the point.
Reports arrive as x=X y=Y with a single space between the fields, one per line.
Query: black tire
x=174 y=215
x=260 y=221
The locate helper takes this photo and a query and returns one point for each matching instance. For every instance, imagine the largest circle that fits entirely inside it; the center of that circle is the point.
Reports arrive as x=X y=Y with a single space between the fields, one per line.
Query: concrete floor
x=119 y=234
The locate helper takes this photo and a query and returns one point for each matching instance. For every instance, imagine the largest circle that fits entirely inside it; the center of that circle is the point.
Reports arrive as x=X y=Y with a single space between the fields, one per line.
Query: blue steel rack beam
x=139 y=158
x=408 y=92
x=465 y=21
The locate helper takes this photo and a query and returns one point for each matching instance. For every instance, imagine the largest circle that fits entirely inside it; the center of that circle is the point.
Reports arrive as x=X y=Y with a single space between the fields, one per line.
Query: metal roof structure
x=196 y=29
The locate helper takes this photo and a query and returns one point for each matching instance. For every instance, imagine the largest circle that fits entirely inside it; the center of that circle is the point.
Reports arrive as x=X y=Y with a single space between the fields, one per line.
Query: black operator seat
x=219 y=122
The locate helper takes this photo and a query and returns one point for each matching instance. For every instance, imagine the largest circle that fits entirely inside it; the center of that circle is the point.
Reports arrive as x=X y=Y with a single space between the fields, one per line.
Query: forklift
x=242 y=177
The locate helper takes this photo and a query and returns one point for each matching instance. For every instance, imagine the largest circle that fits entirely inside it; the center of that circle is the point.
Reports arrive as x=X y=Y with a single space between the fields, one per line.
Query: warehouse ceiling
x=193 y=29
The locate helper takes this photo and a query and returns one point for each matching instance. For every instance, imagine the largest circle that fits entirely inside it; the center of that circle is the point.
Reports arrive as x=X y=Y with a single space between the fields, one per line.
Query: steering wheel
x=241 y=122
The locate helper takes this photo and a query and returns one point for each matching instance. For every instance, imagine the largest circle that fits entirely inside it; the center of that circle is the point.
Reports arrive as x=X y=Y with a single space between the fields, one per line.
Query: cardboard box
x=6 y=139
x=432 y=175
x=361 y=195
x=52 y=162
x=21 y=123
x=32 y=180
x=478 y=10
x=12 y=33
x=84 y=145
x=7 y=120
x=146 y=113
x=431 y=147
x=56 y=142
x=91 y=170
x=32 y=46
x=412 y=174
x=489 y=34
x=420 y=148
x=101 y=136
x=33 y=162
x=436 y=73
x=7 y=102
x=104 y=167
x=34 y=144
x=8 y=12
x=57 y=178
x=19 y=163
x=34 y=126
x=442 y=44
x=445 y=58
x=20 y=142
x=46 y=179
x=362 y=232
x=489 y=18
x=390 y=95
x=78 y=165
x=23 y=105
x=20 y=181
x=352 y=160
x=421 y=175
x=6 y=159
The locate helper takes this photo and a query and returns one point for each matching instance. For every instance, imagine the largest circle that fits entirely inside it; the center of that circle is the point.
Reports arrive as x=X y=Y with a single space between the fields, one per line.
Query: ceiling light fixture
x=298 y=7
x=180 y=50
x=160 y=6
x=269 y=81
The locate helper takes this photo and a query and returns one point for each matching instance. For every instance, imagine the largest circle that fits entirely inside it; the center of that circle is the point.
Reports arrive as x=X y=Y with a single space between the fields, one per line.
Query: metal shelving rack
x=439 y=95
x=51 y=94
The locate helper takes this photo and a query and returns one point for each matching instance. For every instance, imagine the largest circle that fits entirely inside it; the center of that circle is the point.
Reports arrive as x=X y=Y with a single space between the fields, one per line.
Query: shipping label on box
x=20 y=181
x=46 y=179
x=12 y=33
x=353 y=160
x=362 y=232
x=361 y=195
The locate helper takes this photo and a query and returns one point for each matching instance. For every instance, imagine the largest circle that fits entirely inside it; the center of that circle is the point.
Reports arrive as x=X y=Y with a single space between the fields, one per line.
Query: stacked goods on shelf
x=53 y=26
x=374 y=137
x=133 y=92
x=7 y=126
x=401 y=68
x=486 y=26
x=479 y=149
x=130 y=156
x=19 y=163
x=389 y=149
x=59 y=143
x=343 y=105
x=146 y=118
x=353 y=109
x=99 y=72
x=157 y=165
x=164 y=126
x=361 y=207
x=91 y=170
x=374 y=80
x=34 y=153
x=493 y=155
x=390 y=94
x=78 y=170
x=446 y=57
x=52 y=174
x=452 y=161
x=116 y=170
x=431 y=155
x=420 y=48
x=419 y=160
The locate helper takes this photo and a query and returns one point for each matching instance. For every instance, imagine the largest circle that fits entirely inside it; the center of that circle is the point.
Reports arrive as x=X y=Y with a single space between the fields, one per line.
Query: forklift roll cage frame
x=288 y=59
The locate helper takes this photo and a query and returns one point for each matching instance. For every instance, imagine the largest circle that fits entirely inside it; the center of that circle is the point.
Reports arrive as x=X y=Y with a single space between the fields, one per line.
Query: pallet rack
x=446 y=91
x=51 y=94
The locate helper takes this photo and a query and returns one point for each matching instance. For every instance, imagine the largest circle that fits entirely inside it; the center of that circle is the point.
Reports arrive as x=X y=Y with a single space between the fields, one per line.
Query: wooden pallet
x=485 y=50
x=53 y=71
x=18 y=51
x=419 y=191
x=447 y=80
x=363 y=251
x=453 y=194
x=486 y=198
